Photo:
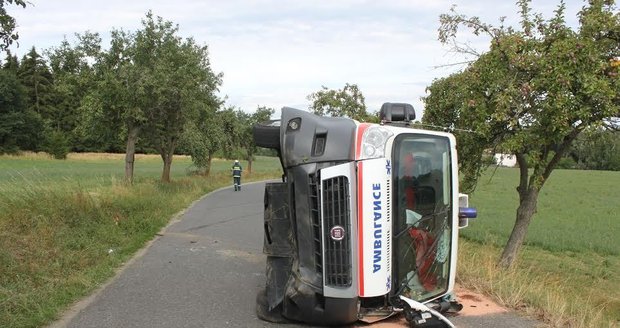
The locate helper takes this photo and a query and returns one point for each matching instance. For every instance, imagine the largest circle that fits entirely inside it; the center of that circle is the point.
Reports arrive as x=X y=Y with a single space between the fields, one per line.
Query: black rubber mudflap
x=262 y=309
x=302 y=303
x=278 y=273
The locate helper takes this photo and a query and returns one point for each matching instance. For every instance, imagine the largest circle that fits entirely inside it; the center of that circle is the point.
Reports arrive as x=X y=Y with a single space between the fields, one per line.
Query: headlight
x=373 y=142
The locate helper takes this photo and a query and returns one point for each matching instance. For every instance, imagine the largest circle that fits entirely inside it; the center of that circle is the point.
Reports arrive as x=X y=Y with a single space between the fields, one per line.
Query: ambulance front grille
x=337 y=232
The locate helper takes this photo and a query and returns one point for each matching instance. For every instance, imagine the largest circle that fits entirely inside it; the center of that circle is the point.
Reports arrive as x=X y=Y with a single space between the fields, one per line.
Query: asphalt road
x=204 y=271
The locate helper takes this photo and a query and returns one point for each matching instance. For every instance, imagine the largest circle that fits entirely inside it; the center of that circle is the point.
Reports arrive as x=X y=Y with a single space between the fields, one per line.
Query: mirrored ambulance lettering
x=376 y=194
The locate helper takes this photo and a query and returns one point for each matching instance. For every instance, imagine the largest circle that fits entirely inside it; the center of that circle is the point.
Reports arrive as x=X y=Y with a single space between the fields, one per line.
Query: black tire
x=267 y=134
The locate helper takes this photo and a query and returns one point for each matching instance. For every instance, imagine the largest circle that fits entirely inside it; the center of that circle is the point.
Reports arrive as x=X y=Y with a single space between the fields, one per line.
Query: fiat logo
x=337 y=233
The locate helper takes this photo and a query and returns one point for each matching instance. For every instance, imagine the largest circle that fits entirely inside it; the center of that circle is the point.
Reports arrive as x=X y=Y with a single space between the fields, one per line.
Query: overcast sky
x=275 y=53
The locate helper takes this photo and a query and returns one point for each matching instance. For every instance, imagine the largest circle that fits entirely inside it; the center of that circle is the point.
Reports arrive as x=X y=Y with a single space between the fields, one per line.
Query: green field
x=569 y=270
x=65 y=226
x=577 y=211
x=96 y=170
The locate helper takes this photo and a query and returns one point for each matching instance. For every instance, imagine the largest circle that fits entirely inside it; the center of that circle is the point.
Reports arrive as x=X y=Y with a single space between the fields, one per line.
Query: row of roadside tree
x=149 y=90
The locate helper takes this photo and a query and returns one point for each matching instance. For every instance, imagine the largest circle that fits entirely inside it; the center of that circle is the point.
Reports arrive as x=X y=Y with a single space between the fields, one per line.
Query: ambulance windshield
x=422 y=216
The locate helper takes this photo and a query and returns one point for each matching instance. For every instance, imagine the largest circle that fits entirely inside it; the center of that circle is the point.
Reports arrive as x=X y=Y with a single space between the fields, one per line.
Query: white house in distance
x=508 y=160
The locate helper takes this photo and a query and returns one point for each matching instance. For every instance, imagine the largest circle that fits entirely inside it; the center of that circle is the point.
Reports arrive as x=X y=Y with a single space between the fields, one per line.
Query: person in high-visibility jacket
x=236 y=173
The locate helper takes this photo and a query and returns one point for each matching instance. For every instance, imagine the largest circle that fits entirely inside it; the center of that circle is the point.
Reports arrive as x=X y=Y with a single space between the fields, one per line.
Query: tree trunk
x=165 y=175
x=130 y=153
x=36 y=90
x=208 y=168
x=166 y=151
x=250 y=154
x=527 y=207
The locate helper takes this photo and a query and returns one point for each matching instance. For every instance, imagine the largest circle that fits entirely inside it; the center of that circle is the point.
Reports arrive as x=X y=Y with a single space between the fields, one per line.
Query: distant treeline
x=594 y=150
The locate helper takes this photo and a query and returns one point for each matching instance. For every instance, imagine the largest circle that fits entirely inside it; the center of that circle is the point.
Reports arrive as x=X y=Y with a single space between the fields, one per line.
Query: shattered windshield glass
x=422 y=212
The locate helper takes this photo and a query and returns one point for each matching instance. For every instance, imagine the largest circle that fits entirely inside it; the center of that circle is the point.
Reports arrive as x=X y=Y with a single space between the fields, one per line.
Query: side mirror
x=466 y=213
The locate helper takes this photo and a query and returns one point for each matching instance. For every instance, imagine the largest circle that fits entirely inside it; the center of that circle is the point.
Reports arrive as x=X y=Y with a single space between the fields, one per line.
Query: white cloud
x=275 y=53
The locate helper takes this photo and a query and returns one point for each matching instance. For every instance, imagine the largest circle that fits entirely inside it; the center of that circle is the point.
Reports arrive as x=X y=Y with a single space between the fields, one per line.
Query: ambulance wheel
x=267 y=134
x=262 y=309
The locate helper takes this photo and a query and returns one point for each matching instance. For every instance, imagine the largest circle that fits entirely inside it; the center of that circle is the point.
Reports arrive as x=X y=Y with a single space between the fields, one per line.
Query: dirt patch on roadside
x=476 y=304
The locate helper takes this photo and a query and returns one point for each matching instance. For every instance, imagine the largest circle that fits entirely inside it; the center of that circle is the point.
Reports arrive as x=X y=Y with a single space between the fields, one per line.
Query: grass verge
x=568 y=272
x=61 y=238
x=562 y=290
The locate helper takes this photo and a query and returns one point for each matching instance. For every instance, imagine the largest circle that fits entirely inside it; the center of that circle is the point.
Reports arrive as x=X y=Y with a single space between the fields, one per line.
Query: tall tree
x=7 y=24
x=246 y=122
x=231 y=127
x=151 y=83
x=181 y=82
x=11 y=62
x=20 y=127
x=12 y=105
x=207 y=135
x=117 y=103
x=348 y=102
x=73 y=71
x=531 y=94
x=37 y=80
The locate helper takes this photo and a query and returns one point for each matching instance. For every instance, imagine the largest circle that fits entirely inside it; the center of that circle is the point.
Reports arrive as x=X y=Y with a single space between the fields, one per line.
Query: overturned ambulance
x=364 y=223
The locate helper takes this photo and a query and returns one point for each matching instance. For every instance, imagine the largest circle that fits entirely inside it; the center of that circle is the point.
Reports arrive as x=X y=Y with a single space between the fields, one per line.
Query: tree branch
x=466 y=62
x=560 y=152
x=523 y=173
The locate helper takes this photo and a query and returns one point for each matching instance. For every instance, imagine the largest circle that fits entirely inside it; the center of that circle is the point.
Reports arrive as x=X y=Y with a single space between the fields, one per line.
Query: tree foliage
x=246 y=140
x=227 y=132
x=151 y=84
x=348 y=102
x=198 y=145
x=11 y=109
x=119 y=99
x=8 y=35
x=57 y=144
x=211 y=133
x=145 y=90
x=72 y=67
x=37 y=80
x=182 y=84
x=20 y=126
x=532 y=94
x=596 y=149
